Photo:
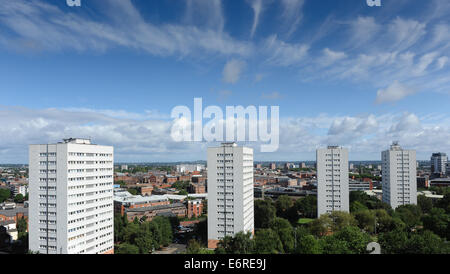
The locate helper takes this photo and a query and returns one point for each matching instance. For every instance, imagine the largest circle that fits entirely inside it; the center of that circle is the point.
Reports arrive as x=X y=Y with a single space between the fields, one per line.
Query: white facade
x=332 y=180
x=399 y=176
x=71 y=198
x=230 y=191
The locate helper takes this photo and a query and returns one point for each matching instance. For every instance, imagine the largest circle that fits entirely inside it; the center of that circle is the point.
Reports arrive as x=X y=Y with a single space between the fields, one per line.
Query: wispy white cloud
x=395 y=92
x=285 y=54
x=49 y=28
x=363 y=30
x=232 y=71
x=404 y=33
x=329 y=57
x=258 y=7
x=205 y=13
x=292 y=14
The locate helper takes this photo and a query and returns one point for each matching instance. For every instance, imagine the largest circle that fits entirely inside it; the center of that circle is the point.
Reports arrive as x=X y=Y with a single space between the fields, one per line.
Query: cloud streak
x=49 y=28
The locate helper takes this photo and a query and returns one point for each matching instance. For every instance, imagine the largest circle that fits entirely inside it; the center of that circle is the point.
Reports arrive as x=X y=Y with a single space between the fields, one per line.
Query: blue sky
x=340 y=71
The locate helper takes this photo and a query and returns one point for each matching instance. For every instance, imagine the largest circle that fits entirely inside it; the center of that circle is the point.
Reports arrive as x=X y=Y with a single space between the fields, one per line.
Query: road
x=172 y=249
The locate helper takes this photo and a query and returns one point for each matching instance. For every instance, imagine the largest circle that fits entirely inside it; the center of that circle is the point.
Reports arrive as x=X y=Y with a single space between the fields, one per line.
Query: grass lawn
x=303 y=221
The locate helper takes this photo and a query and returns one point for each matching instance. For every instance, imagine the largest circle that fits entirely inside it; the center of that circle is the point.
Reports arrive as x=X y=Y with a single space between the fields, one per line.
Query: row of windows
x=44 y=171
x=81 y=154
x=50 y=154
x=226 y=161
x=51 y=222
x=88 y=162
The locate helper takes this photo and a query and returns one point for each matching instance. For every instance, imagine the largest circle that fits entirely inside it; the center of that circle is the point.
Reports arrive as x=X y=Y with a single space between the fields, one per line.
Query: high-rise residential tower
x=230 y=191
x=439 y=163
x=332 y=180
x=399 y=176
x=71 y=198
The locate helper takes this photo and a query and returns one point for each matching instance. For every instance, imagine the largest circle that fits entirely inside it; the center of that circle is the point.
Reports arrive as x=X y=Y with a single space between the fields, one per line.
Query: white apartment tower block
x=399 y=176
x=230 y=192
x=332 y=180
x=71 y=198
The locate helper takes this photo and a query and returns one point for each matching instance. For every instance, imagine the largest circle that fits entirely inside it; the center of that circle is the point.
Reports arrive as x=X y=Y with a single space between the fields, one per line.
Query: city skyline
x=294 y=161
x=342 y=73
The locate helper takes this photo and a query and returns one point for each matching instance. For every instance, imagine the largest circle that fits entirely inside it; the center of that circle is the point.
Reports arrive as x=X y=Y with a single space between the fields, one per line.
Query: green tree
x=133 y=191
x=265 y=212
x=341 y=219
x=21 y=227
x=409 y=214
x=356 y=239
x=131 y=232
x=308 y=244
x=4 y=194
x=183 y=192
x=357 y=206
x=118 y=227
x=165 y=230
x=385 y=223
x=445 y=202
x=333 y=245
x=425 y=203
x=193 y=247
x=426 y=242
x=366 y=220
x=241 y=243
x=321 y=226
x=283 y=203
x=267 y=242
x=367 y=201
x=438 y=222
x=19 y=198
x=307 y=206
x=393 y=242
x=121 y=183
x=285 y=233
x=144 y=241
x=126 y=248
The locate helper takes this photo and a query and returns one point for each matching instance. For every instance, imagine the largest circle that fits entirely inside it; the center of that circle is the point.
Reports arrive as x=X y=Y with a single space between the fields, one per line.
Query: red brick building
x=197 y=188
x=194 y=208
x=176 y=209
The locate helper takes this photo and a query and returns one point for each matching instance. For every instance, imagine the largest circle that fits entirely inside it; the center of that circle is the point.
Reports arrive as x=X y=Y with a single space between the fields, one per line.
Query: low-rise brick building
x=176 y=209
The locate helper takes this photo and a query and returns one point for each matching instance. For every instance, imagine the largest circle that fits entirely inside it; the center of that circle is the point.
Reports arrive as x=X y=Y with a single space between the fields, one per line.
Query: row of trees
x=421 y=229
x=6 y=194
x=140 y=236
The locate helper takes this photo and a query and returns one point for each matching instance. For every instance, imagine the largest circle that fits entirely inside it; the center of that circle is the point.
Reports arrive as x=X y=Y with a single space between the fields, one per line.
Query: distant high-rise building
x=399 y=176
x=351 y=166
x=230 y=192
x=439 y=163
x=71 y=198
x=273 y=166
x=302 y=165
x=332 y=180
